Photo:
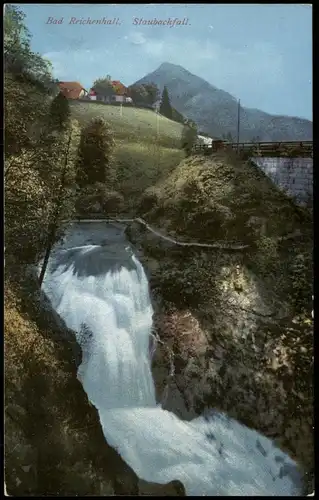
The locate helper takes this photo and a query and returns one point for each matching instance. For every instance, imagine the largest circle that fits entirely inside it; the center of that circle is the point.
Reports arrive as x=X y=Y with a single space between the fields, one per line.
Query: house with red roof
x=72 y=90
x=92 y=95
x=121 y=93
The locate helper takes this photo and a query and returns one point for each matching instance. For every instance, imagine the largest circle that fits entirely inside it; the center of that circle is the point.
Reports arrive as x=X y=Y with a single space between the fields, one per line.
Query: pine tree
x=95 y=154
x=59 y=112
x=166 y=108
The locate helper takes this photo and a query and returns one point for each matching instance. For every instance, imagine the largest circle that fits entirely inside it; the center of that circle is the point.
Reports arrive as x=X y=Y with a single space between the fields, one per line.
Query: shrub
x=189 y=137
x=149 y=200
x=96 y=198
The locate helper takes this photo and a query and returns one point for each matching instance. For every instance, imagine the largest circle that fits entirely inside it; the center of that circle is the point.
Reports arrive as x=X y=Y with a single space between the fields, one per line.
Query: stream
x=99 y=288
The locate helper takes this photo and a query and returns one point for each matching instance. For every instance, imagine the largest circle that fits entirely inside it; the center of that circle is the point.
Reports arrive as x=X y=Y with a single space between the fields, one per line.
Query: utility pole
x=238 y=124
x=121 y=110
x=157 y=141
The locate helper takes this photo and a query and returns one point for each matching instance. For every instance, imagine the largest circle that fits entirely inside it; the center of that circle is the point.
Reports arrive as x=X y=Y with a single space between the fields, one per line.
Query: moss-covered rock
x=238 y=323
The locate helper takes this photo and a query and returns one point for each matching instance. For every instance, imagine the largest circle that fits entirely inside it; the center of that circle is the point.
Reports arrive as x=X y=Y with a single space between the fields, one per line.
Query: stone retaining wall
x=292 y=175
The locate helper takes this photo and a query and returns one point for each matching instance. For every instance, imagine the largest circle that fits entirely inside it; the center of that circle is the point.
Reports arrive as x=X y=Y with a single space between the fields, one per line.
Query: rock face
x=232 y=359
x=229 y=319
x=174 y=488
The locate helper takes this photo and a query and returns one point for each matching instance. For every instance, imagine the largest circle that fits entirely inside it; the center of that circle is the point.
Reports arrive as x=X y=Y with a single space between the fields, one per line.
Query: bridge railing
x=286 y=148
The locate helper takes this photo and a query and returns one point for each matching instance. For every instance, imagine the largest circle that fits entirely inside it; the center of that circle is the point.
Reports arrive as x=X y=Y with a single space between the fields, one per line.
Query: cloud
x=136 y=38
x=72 y=64
x=260 y=60
x=249 y=72
x=59 y=70
x=247 y=68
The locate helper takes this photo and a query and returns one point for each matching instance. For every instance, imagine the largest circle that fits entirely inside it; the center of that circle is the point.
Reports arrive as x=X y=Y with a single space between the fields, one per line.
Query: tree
x=60 y=112
x=63 y=181
x=104 y=87
x=16 y=36
x=22 y=104
x=152 y=92
x=40 y=159
x=39 y=191
x=177 y=116
x=138 y=93
x=18 y=56
x=166 y=108
x=189 y=137
x=96 y=146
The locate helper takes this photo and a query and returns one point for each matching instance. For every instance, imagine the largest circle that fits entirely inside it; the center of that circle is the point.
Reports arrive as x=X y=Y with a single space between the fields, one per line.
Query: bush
x=113 y=202
x=189 y=137
x=96 y=198
x=149 y=200
x=27 y=211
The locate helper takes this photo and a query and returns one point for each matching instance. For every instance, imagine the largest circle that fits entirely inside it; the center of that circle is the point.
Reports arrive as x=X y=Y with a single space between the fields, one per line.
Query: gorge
x=99 y=288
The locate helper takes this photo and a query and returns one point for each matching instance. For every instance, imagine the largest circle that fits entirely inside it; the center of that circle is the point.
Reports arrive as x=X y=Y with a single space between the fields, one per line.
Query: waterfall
x=102 y=293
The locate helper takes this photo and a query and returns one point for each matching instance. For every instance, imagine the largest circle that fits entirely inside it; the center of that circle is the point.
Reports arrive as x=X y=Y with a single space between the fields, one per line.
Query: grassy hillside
x=147 y=145
x=218 y=197
x=134 y=124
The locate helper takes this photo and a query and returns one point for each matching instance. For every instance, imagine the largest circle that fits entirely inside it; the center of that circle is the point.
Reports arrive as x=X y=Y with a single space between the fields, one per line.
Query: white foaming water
x=211 y=455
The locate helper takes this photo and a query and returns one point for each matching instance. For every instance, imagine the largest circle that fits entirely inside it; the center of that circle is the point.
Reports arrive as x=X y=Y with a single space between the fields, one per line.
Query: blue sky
x=259 y=53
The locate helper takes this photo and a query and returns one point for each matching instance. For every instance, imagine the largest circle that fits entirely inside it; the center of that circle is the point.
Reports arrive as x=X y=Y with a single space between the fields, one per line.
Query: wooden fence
x=298 y=149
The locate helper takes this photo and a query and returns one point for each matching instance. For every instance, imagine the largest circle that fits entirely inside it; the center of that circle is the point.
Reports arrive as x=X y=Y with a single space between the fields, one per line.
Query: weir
x=101 y=291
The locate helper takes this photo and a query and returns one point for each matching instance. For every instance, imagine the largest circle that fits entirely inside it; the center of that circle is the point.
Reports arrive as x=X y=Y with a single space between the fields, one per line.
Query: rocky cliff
x=235 y=323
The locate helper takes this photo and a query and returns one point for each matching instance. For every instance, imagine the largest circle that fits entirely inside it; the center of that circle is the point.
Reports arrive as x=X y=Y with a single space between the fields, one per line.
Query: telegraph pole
x=238 y=124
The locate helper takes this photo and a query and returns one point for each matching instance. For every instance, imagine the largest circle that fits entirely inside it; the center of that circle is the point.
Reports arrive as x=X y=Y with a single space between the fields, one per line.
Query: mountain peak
x=168 y=65
x=216 y=111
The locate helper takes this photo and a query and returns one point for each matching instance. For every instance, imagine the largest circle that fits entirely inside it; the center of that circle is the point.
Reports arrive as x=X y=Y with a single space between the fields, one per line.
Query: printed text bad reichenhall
x=140 y=21
x=74 y=20
x=137 y=21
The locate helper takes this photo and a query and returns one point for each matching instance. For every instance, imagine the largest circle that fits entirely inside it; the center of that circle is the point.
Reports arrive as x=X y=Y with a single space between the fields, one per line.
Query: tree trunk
x=51 y=237
x=54 y=225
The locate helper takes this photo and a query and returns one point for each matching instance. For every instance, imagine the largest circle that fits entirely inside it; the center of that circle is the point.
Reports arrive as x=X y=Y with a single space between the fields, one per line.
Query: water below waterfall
x=99 y=288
